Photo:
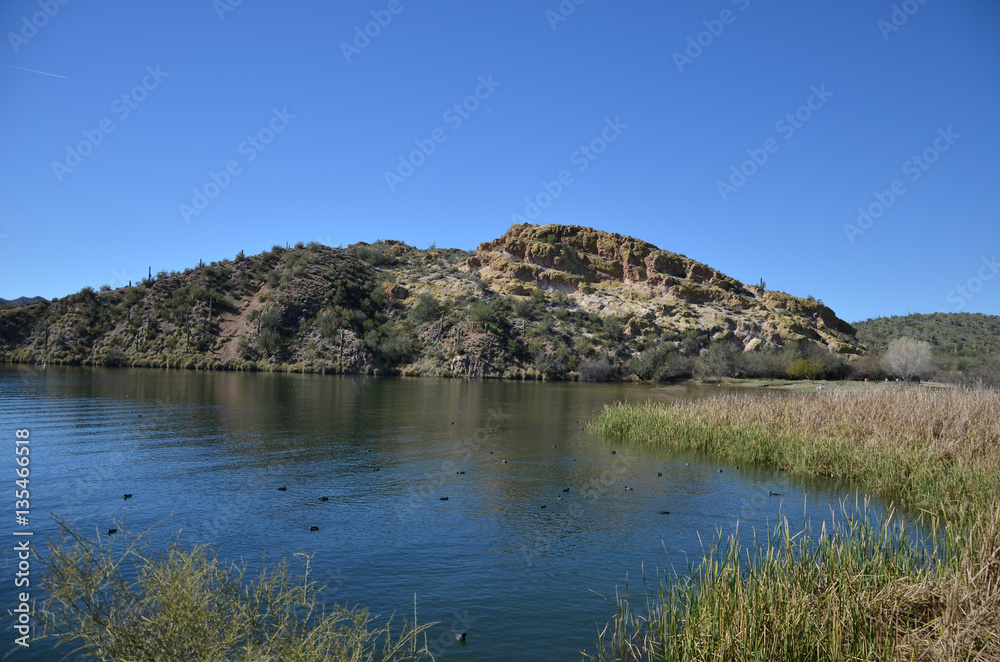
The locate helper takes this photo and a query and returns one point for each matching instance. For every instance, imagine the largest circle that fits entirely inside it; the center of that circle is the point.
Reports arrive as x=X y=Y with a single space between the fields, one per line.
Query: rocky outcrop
x=608 y=271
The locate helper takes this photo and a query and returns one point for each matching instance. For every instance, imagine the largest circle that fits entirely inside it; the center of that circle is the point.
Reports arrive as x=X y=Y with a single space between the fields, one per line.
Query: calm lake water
x=525 y=582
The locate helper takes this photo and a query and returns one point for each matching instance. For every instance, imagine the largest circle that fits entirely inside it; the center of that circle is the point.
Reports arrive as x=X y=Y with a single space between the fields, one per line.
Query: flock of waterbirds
x=461 y=636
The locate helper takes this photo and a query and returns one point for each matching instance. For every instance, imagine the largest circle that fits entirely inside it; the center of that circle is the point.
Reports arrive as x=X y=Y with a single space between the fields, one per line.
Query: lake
x=526 y=569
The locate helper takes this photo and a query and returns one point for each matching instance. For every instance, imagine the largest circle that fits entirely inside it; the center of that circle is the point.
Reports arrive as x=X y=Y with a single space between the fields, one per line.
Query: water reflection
x=212 y=449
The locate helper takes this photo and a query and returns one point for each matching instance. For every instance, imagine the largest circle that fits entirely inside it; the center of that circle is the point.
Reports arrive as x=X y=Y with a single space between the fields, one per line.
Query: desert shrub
x=121 y=599
x=674 y=368
x=376 y=254
x=426 y=309
x=982 y=373
x=804 y=369
x=598 y=370
x=526 y=308
x=722 y=360
x=390 y=345
x=765 y=364
x=613 y=329
x=327 y=323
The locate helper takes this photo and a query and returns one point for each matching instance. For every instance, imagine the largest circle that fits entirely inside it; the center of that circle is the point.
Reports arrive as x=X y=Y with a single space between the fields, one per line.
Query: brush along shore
x=858 y=590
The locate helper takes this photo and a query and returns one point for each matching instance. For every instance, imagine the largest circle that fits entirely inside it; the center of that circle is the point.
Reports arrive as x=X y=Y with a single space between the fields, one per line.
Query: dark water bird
x=368 y=450
x=314 y=528
x=112 y=532
x=543 y=505
x=460 y=472
x=566 y=490
x=444 y=498
x=375 y=469
x=770 y=493
x=553 y=445
x=664 y=512
x=459 y=636
x=659 y=473
x=614 y=452
x=720 y=471
x=491 y=452
x=324 y=498
x=737 y=466
x=126 y=496
x=505 y=461
x=282 y=489
x=453 y=422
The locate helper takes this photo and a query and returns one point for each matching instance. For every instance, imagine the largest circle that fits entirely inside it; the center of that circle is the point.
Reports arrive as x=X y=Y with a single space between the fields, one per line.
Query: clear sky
x=741 y=133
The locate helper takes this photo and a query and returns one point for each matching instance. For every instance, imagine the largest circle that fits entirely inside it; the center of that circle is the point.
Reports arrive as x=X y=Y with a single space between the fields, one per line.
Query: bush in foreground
x=123 y=600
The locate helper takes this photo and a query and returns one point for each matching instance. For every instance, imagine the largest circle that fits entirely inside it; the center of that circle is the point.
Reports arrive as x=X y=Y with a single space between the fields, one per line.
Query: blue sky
x=740 y=133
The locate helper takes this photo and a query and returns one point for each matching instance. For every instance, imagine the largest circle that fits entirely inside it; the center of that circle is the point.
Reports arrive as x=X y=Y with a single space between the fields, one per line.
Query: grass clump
x=122 y=600
x=860 y=591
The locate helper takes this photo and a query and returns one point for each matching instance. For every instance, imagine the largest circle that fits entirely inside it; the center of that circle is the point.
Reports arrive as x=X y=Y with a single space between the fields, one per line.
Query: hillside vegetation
x=547 y=302
x=958 y=334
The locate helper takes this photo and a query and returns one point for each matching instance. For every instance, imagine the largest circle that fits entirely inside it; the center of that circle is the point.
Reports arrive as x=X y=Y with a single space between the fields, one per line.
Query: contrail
x=34 y=71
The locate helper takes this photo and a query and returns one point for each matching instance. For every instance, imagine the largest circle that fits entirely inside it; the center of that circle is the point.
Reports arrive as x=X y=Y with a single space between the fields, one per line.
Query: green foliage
x=804 y=369
x=491 y=314
x=613 y=328
x=426 y=309
x=377 y=254
x=124 y=600
x=959 y=334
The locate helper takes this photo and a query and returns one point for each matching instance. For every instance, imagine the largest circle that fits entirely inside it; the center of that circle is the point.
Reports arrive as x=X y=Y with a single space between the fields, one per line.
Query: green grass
x=858 y=591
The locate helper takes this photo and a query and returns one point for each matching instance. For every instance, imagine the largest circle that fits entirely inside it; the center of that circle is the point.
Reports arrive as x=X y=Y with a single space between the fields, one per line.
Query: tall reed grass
x=858 y=591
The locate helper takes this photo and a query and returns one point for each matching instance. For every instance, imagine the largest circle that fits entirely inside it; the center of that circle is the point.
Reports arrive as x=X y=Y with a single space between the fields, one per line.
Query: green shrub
x=124 y=600
x=804 y=369
x=426 y=309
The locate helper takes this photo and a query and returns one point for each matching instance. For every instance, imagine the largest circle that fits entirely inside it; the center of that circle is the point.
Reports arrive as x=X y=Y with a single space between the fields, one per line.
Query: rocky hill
x=538 y=302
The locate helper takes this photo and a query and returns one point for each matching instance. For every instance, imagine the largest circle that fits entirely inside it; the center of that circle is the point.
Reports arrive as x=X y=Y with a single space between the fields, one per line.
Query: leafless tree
x=907 y=358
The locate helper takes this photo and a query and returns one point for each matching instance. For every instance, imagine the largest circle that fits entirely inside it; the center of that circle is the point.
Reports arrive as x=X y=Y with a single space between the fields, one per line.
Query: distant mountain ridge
x=20 y=301
x=536 y=302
